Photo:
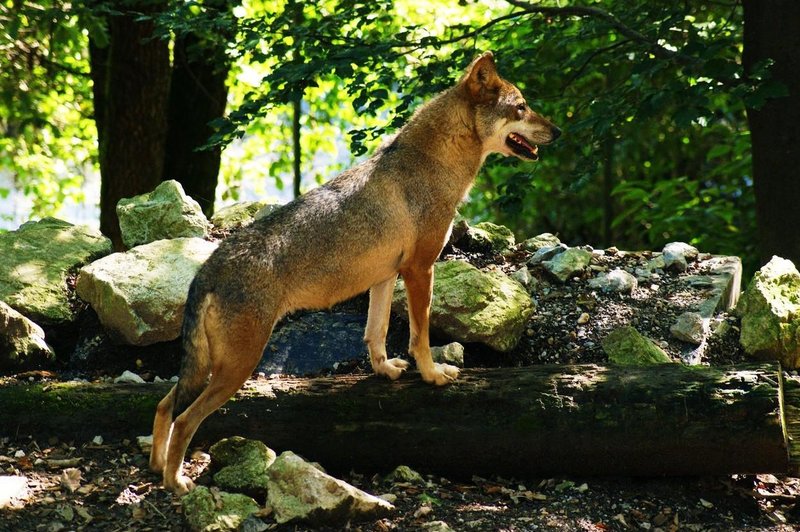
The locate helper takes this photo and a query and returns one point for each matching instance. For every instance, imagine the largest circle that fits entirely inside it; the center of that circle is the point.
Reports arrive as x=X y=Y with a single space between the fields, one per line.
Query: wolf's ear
x=481 y=79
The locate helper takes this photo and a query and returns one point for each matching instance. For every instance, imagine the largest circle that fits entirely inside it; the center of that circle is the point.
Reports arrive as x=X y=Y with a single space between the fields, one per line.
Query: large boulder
x=471 y=305
x=140 y=295
x=166 y=212
x=35 y=261
x=297 y=491
x=208 y=510
x=21 y=340
x=770 y=313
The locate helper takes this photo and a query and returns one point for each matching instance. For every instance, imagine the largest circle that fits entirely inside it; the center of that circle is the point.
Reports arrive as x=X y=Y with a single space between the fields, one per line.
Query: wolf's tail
x=196 y=361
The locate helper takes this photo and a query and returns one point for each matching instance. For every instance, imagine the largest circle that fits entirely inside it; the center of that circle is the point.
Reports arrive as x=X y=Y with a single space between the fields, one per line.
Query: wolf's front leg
x=380 y=306
x=419 y=288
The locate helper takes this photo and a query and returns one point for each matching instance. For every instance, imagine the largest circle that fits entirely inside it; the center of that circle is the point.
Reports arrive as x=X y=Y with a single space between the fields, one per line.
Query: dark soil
x=106 y=485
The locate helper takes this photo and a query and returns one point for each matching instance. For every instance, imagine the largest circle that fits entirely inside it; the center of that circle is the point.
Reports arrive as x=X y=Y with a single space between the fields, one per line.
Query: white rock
x=299 y=492
x=140 y=295
x=690 y=327
x=13 y=490
x=129 y=377
x=145 y=443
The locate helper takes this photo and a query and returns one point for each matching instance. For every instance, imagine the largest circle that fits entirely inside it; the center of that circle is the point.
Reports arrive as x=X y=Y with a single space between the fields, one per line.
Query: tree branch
x=624 y=30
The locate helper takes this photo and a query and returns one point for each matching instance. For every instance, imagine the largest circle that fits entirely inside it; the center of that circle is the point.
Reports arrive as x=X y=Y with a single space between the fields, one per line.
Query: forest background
x=681 y=119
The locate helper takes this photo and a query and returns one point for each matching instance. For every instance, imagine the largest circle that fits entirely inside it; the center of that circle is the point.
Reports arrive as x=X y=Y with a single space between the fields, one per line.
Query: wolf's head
x=504 y=121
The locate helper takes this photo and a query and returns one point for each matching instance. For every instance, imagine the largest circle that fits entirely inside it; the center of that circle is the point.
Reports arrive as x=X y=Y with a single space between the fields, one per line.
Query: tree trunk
x=198 y=95
x=131 y=83
x=771 y=32
x=297 y=179
x=537 y=421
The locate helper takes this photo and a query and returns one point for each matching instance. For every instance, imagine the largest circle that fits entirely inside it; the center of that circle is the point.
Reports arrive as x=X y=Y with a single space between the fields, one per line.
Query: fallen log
x=537 y=421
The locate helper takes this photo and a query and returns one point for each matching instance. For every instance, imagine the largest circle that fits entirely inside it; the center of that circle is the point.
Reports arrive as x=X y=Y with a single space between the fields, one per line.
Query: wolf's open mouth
x=522 y=147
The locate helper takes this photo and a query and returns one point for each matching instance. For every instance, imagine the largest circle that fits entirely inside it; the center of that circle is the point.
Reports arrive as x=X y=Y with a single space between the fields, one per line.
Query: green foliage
x=650 y=96
x=47 y=138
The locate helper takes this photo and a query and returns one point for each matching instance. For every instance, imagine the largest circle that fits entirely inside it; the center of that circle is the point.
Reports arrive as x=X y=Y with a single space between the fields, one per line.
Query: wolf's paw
x=442 y=374
x=181 y=485
x=392 y=368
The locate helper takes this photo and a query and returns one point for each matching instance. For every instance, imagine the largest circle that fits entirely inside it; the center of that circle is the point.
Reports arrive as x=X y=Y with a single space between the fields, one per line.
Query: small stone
x=546 y=253
x=240 y=214
x=656 y=264
x=617 y=280
x=690 y=327
x=129 y=377
x=522 y=276
x=452 y=353
x=403 y=473
x=678 y=255
x=540 y=241
x=436 y=526
x=626 y=346
x=97 y=440
x=145 y=443
x=568 y=264
x=583 y=318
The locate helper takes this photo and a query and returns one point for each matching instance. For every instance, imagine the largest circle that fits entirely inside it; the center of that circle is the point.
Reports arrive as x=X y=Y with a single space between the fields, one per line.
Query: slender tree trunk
x=198 y=94
x=296 y=162
x=131 y=83
x=608 y=188
x=772 y=31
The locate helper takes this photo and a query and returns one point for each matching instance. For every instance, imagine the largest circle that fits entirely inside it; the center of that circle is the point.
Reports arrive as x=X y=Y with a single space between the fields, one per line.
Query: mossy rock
x=770 y=313
x=627 y=346
x=208 y=510
x=471 y=305
x=242 y=464
x=35 y=261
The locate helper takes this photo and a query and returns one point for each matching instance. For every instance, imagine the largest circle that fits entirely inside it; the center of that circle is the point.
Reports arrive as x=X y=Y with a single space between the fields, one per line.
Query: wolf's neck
x=443 y=130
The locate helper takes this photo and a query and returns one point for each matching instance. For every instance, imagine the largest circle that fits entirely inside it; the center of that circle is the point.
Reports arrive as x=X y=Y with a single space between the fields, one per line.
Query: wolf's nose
x=555 y=132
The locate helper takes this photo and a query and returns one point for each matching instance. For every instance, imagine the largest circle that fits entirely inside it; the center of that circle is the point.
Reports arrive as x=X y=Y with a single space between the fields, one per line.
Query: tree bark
x=536 y=421
x=770 y=32
x=131 y=83
x=198 y=95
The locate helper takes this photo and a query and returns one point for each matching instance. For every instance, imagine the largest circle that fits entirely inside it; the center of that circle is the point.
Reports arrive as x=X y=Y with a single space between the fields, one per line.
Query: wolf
x=389 y=215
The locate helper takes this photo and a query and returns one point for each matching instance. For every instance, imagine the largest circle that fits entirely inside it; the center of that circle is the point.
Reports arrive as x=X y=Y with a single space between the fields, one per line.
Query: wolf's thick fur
x=390 y=214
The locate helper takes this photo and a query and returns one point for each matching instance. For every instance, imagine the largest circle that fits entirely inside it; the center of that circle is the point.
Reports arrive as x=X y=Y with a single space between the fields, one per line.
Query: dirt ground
x=107 y=487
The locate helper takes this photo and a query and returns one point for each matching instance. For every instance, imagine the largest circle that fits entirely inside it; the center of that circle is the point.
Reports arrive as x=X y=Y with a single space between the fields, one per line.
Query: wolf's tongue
x=521 y=140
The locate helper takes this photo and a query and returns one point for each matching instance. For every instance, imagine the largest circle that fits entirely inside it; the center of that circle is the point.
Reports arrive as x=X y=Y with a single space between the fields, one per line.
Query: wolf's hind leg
x=236 y=349
x=380 y=306
x=162 y=426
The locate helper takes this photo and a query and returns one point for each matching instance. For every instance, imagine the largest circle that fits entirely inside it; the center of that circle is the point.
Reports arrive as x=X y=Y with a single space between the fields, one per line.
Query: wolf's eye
x=521 y=107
